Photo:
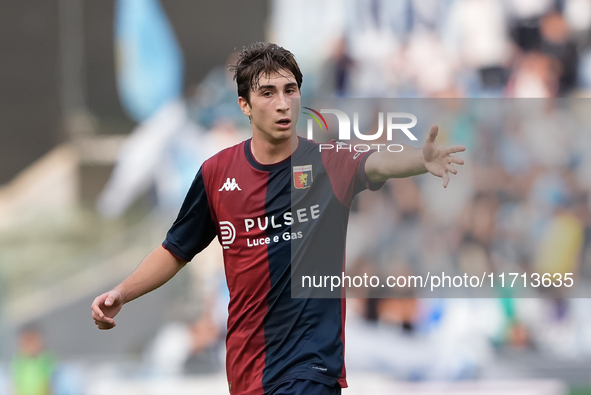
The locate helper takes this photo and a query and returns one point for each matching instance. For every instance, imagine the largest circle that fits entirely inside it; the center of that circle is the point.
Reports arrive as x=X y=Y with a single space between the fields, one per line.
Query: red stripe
x=247 y=268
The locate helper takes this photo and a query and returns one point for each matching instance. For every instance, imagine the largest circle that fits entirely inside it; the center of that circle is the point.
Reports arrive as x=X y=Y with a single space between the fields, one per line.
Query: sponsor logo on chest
x=254 y=228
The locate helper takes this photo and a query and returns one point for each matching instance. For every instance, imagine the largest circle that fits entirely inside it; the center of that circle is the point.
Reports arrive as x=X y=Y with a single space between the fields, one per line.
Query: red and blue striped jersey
x=274 y=221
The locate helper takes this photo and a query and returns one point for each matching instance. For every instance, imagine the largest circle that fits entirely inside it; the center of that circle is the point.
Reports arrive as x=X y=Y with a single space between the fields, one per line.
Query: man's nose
x=283 y=103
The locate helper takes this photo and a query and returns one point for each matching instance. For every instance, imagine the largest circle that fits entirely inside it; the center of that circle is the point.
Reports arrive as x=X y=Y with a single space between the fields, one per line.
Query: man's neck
x=267 y=153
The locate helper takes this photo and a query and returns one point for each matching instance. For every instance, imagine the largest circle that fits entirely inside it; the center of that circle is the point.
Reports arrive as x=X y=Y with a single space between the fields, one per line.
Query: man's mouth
x=284 y=122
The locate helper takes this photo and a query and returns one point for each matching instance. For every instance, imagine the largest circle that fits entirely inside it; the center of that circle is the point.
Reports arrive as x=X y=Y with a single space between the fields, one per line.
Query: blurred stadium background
x=109 y=107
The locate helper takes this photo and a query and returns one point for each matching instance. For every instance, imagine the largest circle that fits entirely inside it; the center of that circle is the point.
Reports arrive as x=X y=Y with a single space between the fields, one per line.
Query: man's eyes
x=289 y=91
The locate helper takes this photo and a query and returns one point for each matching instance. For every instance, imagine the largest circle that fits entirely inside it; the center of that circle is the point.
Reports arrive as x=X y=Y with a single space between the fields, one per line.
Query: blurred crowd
x=520 y=204
x=438 y=48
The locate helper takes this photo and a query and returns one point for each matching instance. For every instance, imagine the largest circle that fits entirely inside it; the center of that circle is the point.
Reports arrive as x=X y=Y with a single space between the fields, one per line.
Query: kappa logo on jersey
x=229 y=185
x=227 y=233
x=302 y=176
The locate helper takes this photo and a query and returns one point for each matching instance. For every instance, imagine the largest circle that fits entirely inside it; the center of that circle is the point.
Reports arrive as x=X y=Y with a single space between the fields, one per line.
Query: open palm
x=439 y=160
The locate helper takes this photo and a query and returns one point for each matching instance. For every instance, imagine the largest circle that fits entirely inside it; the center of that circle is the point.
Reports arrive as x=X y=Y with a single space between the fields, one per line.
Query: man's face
x=270 y=106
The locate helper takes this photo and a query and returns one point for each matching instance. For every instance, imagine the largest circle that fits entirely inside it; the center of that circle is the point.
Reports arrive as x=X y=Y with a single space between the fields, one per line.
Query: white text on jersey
x=288 y=218
x=229 y=185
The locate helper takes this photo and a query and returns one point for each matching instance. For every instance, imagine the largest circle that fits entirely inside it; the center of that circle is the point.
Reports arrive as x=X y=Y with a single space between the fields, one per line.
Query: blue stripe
x=302 y=335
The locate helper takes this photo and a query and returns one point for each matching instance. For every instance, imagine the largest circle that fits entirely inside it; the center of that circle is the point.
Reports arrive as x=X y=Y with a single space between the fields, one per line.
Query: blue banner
x=149 y=61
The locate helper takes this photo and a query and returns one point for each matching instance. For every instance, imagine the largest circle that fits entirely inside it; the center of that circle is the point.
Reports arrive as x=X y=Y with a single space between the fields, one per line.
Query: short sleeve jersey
x=265 y=217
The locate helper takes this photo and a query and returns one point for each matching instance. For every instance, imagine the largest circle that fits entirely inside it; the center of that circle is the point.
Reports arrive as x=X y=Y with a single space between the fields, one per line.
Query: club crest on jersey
x=302 y=176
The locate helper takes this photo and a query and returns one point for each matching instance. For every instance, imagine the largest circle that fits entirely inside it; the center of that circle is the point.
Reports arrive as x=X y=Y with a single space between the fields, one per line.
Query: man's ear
x=244 y=106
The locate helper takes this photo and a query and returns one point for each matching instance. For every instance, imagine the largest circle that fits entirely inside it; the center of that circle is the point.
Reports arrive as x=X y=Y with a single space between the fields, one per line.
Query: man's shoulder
x=308 y=147
x=226 y=155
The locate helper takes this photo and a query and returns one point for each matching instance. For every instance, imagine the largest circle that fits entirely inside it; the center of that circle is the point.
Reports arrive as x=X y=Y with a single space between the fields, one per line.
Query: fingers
x=104 y=320
x=458 y=161
x=451 y=169
x=104 y=325
x=107 y=299
x=95 y=307
x=113 y=296
x=454 y=149
x=433 y=134
x=445 y=179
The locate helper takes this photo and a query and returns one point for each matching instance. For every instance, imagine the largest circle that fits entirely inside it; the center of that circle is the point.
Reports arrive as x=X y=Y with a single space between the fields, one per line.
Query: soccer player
x=275 y=201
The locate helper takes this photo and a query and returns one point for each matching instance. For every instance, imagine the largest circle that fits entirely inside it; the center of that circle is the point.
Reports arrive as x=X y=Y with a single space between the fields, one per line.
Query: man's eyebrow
x=261 y=87
x=288 y=85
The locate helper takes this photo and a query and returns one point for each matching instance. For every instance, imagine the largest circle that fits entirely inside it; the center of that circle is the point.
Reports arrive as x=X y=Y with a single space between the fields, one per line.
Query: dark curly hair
x=262 y=59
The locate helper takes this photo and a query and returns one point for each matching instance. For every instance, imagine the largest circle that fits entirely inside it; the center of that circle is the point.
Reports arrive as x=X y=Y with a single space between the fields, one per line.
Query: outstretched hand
x=438 y=160
x=105 y=307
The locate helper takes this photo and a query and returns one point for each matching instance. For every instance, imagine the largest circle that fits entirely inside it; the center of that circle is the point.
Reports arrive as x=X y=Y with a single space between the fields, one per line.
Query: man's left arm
x=411 y=161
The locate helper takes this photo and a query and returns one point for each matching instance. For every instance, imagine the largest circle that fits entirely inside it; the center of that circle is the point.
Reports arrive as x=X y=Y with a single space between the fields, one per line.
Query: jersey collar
x=272 y=167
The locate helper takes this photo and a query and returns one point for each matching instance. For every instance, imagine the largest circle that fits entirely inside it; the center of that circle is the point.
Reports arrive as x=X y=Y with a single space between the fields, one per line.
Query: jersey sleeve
x=194 y=228
x=346 y=170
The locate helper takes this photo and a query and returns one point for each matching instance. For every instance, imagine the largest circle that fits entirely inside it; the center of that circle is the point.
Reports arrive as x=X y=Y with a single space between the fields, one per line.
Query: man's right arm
x=155 y=270
x=190 y=233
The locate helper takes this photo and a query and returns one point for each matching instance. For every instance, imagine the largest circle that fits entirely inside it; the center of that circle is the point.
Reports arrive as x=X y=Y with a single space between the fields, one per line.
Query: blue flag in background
x=149 y=60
